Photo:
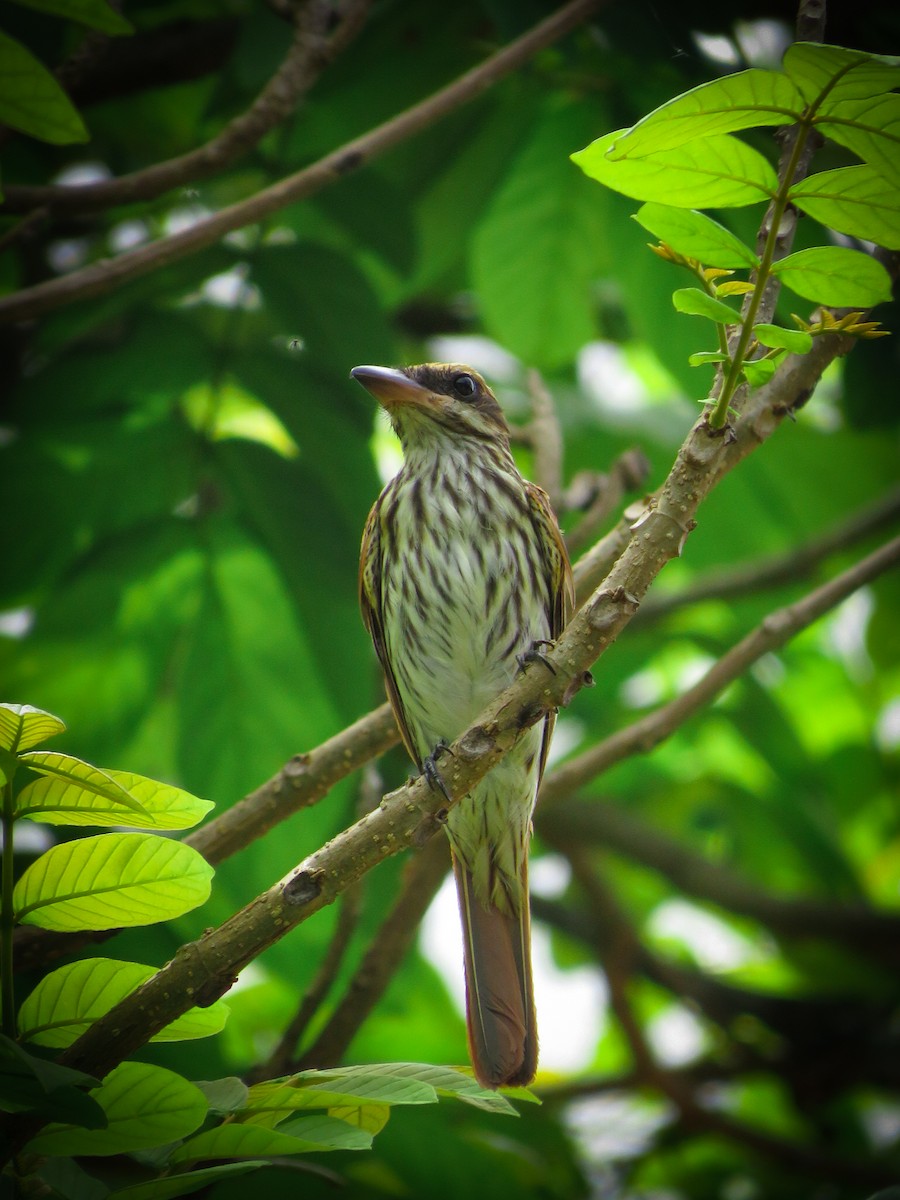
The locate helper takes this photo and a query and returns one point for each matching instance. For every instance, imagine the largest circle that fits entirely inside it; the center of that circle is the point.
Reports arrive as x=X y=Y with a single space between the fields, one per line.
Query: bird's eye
x=465 y=386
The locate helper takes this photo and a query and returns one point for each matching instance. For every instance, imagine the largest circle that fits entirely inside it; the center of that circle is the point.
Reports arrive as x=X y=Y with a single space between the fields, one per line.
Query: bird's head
x=434 y=400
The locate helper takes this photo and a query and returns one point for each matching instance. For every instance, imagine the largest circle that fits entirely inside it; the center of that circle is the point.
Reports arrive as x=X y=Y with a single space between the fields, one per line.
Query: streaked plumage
x=462 y=570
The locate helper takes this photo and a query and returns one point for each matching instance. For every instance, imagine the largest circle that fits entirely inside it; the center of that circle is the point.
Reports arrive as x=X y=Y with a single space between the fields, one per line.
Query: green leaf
x=714 y=172
x=182 y=1185
x=224 y=1095
x=780 y=338
x=870 y=127
x=695 y=235
x=70 y=784
x=32 y=101
x=112 y=880
x=252 y=1141
x=70 y=999
x=740 y=101
x=854 y=200
x=329 y=1131
x=96 y=14
x=702 y=357
x=29 y=1083
x=759 y=371
x=835 y=276
x=701 y=304
x=161 y=805
x=829 y=74
x=392 y=1083
x=144 y=1105
x=23 y=726
x=538 y=304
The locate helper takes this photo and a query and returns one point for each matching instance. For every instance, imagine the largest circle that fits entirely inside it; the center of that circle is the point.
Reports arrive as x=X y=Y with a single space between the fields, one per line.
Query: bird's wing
x=561 y=583
x=556 y=559
x=370 y=572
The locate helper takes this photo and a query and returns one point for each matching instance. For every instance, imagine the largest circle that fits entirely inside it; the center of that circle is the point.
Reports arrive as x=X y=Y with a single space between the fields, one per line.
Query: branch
x=796 y=565
x=310 y=52
x=203 y=970
x=775 y=631
x=424 y=875
x=598 y=495
x=545 y=438
x=619 y=965
x=823 y=1039
x=300 y=783
x=107 y=275
x=860 y=928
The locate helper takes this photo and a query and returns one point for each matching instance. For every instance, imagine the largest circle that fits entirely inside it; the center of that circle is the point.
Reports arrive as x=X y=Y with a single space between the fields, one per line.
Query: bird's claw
x=533 y=654
x=433 y=777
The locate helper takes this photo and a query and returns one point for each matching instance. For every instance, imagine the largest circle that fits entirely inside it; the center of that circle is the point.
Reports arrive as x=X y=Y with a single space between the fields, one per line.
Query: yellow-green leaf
x=161 y=806
x=32 y=101
x=826 y=75
x=23 y=726
x=857 y=201
x=714 y=172
x=695 y=235
x=836 y=276
x=779 y=338
x=739 y=101
x=112 y=880
x=72 y=784
x=70 y=999
x=144 y=1105
x=700 y=304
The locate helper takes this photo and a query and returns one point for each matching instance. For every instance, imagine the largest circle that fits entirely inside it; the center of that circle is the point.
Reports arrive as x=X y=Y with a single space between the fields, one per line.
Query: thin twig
x=627 y=473
x=100 y=278
x=859 y=927
x=545 y=437
x=796 y=565
x=311 y=50
x=619 y=963
x=771 y=634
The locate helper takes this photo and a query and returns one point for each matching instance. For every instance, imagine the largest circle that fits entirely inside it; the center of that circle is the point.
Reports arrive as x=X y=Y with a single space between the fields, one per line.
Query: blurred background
x=186 y=470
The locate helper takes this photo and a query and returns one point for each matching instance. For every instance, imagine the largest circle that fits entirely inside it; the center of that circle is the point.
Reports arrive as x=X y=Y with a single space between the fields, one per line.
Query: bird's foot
x=533 y=654
x=430 y=770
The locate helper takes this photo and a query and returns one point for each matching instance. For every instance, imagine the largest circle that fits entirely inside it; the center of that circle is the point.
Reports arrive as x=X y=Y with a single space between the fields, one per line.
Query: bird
x=463 y=577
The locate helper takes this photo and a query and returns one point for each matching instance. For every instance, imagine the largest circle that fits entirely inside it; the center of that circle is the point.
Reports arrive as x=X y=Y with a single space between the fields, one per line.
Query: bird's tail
x=499 y=990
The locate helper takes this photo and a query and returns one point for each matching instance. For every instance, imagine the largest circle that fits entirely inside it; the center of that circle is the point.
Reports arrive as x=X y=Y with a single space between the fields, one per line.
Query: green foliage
x=188 y=471
x=683 y=154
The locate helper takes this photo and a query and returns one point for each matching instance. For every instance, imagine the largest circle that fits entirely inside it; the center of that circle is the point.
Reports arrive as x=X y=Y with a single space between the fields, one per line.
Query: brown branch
x=280 y=1060
x=389 y=947
x=817 y=1040
x=545 y=437
x=859 y=927
x=350 y=903
x=310 y=52
x=300 y=783
x=100 y=278
x=619 y=964
x=796 y=565
x=771 y=634
x=598 y=495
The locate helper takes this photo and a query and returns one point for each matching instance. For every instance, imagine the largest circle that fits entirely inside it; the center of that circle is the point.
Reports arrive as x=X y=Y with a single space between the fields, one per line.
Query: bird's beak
x=393 y=389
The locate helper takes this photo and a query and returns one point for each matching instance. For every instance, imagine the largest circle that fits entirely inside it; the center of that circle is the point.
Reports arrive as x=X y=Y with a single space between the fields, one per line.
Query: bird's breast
x=464 y=592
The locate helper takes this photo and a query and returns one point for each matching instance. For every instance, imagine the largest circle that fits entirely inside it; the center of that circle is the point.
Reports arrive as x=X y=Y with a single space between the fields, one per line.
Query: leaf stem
x=719 y=414
x=6 y=916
